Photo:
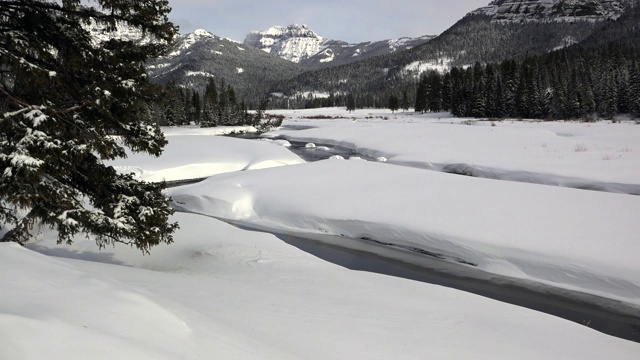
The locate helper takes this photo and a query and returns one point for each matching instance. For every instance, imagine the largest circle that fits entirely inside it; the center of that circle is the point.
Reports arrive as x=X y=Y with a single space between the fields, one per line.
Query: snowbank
x=53 y=310
x=572 y=239
x=222 y=292
x=195 y=153
x=541 y=152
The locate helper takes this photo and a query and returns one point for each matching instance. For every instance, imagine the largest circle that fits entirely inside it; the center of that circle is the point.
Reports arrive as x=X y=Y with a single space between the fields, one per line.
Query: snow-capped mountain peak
x=200 y=33
x=299 y=44
x=294 y=42
x=186 y=41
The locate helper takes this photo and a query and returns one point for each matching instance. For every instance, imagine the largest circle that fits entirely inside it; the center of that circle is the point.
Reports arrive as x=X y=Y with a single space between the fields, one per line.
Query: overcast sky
x=349 y=20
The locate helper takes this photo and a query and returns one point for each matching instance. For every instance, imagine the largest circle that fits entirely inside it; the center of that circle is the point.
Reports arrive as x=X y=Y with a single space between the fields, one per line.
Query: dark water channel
x=310 y=152
x=322 y=152
x=607 y=316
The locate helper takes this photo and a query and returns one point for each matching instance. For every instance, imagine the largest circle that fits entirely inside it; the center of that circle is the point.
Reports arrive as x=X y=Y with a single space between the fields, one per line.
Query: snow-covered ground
x=194 y=152
x=547 y=152
x=223 y=292
x=574 y=239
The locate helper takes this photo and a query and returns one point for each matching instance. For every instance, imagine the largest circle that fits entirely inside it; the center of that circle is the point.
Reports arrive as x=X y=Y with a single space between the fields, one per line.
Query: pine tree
x=478 y=100
x=421 y=95
x=634 y=90
x=174 y=110
x=62 y=96
x=447 y=92
x=197 y=107
x=405 y=101
x=351 y=103
x=187 y=103
x=433 y=91
x=394 y=103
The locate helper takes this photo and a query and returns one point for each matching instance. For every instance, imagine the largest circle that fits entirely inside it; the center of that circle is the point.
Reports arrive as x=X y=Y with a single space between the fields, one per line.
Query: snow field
x=598 y=152
x=573 y=239
x=223 y=292
x=195 y=152
x=219 y=291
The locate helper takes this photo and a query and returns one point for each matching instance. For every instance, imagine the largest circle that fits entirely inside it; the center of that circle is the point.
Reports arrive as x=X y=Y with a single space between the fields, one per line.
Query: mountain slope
x=198 y=56
x=552 y=10
x=293 y=43
x=483 y=35
x=299 y=44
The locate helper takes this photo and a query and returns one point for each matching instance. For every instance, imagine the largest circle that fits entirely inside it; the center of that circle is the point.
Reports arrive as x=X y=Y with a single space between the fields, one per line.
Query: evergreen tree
x=405 y=101
x=174 y=110
x=433 y=91
x=351 y=103
x=609 y=96
x=634 y=90
x=457 y=92
x=421 y=95
x=394 y=103
x=210 y=104
x=478 y=98
x=197 y=107
x=62 y=95
x=187 y=103
x=447 y=91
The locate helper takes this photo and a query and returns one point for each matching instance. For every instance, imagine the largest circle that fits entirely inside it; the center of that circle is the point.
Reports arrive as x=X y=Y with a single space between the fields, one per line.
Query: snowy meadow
x=550 y=206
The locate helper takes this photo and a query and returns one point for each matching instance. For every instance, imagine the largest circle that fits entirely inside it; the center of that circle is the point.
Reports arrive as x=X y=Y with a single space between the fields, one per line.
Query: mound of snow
x=194 y=153
x=550 y=235
x=234 y=294
x=78 y=316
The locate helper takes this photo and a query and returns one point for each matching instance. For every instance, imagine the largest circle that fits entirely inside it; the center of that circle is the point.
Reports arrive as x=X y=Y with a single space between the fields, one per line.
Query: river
x=605 y=315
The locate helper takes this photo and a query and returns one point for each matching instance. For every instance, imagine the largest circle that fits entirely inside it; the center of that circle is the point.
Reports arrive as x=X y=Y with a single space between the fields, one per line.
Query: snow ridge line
x=485 y=172
x=570 y=280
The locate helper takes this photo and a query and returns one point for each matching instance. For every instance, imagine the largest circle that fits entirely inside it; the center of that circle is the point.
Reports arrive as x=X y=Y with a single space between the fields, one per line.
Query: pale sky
x=348 y=20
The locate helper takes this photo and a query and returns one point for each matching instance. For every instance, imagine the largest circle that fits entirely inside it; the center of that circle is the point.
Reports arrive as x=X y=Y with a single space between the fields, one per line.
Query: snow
x=293 y=43
x=313 y=94
x=551 y=11
x=395 y=44
x=195 y=152
x=545 y=234
x=514 y=150
x=329 y=56
x=418 y=67
x=198 y=73
x=224 y=292
x=186 y=41
x=239 y=70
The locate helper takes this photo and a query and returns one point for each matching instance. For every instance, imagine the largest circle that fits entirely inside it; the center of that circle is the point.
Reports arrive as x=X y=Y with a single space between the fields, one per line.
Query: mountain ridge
x=552 y=10
x=299 y=44
x=477 y=37
x=492 y=33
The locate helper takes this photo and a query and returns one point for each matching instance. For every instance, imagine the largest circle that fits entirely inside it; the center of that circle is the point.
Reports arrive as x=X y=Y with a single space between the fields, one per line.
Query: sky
x=348 y=20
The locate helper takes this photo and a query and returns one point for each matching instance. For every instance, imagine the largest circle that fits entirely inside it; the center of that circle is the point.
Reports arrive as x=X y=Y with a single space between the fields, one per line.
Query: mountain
x=293 y=43
x=262 y=60
x=196 y=57
x=502 y=30
x=299 y=44
x=552 y=10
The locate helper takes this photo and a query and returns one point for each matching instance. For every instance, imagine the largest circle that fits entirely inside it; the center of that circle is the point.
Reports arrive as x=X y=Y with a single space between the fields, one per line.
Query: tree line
x=560 y=85
x=217 y=105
